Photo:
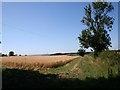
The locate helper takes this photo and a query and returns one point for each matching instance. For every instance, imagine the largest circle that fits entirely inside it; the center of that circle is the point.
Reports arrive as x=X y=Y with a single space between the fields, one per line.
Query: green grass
x=14 y=78
x=87 y=66
x=104 y=71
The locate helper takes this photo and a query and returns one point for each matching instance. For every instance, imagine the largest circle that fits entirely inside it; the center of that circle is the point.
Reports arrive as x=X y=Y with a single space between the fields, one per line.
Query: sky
x=46 y=27
x=119 y=26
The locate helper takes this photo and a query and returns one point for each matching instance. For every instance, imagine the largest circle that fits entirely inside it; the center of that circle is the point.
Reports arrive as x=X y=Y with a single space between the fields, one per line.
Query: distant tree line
x=71 y=54
x=11 y=53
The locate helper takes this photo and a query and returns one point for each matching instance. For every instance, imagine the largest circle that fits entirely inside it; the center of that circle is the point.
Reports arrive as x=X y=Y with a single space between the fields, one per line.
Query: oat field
x=35 y=62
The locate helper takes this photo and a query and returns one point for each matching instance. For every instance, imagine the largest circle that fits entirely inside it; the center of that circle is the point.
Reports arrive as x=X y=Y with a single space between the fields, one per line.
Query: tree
x=11 y=53
x=81 y=51
x=3 y=55
x=98 y=24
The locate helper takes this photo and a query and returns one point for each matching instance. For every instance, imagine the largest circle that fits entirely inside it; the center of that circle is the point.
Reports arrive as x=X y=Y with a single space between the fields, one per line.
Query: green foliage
x=108 y=55
x=11 y=53
x=111 y=60
x=111 y=55
x=103 y=66
x=81 y=52
x=98 y=23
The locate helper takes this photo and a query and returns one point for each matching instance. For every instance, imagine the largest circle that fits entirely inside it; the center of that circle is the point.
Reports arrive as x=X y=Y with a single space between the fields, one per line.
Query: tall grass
x=105 y=65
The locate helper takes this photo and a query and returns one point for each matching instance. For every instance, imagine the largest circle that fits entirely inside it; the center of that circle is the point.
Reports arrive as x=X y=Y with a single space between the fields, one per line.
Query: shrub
x=81 y=52
x=4 y=55
x=11 y=53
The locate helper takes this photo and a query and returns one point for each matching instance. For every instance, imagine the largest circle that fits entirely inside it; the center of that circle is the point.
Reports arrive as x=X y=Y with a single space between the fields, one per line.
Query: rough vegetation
x=82 y=72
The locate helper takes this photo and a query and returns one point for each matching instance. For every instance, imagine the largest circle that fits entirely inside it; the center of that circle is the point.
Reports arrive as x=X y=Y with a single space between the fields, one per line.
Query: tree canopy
x=98 y=24
x=11 y=53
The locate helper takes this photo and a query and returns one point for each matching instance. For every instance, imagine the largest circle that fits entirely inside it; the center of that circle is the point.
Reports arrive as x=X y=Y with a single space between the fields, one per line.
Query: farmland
x=35 y=62
x=75 y=72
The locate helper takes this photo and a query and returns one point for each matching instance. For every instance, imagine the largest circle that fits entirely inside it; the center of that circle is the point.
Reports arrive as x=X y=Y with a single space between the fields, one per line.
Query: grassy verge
x=87 y=66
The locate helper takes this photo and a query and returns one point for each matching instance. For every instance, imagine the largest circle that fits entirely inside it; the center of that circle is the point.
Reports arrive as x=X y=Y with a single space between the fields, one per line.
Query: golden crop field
x=35 y=62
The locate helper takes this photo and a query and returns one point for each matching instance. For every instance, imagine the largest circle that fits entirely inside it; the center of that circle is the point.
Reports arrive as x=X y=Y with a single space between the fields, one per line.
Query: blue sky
x=38 y=28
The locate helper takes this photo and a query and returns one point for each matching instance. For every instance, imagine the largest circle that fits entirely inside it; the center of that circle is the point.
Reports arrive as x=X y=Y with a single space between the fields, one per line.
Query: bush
x=4 y=55
x=11 y=53
x=112 y=55
x=81 y=52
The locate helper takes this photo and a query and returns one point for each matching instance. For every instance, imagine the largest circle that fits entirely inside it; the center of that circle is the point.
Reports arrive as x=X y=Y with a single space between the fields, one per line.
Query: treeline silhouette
x=11 y=53
x=71 y=54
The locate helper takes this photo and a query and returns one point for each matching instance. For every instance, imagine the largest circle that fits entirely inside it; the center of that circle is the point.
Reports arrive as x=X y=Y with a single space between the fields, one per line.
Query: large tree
x=98 y=24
